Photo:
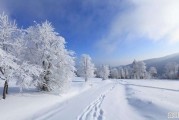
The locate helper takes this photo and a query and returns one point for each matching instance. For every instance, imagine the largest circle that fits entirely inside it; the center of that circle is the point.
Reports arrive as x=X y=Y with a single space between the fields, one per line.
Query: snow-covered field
x=95 y=100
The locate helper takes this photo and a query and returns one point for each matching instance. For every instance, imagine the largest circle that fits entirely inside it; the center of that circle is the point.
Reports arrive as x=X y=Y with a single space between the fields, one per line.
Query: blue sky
x=111 y=31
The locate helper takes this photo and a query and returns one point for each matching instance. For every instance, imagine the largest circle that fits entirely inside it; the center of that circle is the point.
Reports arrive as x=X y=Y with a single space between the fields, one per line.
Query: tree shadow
x=16 y=90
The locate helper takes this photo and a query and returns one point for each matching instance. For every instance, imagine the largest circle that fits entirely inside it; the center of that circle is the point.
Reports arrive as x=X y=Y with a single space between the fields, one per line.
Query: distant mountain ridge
x=160 y=62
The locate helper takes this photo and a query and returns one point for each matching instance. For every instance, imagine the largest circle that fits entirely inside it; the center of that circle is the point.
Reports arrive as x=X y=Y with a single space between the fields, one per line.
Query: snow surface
x=95 y=100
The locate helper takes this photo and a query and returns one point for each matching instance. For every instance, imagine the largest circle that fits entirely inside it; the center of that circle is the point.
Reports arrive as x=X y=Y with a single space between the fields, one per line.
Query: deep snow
x=95 y=100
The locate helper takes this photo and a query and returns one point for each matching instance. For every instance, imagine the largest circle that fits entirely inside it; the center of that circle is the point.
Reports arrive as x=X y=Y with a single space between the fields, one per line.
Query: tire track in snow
x=94 y=110
x=145 y=86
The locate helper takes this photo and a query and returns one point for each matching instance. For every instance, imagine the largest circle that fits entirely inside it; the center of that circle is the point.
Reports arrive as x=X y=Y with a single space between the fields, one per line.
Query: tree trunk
x=5 y=90
x=45 y=88
x=47 y=66
x=46 y=81
x=7 y=87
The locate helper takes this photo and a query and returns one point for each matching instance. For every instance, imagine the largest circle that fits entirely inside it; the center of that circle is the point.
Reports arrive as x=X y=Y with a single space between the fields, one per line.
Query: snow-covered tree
x=8 y=31
x=86 y=67
x=46 y=48
x=135 y=68
x=139 y=70
x=142 y=69
x=121 y=73
x=7 y=69
x=64 y=69
x=35 y=56
x=7 y=60
x=129 y=72
x=171 y=70
x=126 y=72
x=104 y=72
x=26 y=75
x=114 y=73
x=153 y=72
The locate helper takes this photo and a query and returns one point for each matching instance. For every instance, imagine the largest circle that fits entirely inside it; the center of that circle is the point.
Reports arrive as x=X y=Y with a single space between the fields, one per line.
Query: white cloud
x=152 y=19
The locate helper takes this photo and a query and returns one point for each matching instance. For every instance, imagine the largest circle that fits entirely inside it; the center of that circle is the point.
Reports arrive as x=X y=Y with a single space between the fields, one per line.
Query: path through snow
x=72 y=108
x=94 y=110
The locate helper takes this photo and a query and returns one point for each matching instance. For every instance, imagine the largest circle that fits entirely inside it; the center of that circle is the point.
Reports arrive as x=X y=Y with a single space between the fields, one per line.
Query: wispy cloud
x=83 y=15
x=151 y=19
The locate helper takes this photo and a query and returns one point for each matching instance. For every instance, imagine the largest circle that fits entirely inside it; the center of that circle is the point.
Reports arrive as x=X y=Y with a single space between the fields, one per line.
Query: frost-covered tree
x=129 y=72
x=35 y=56
x=86 y=67
x=64 y=69
x=142 y=69
x=135 y=68
x=26 y=75
x=114 y=73
x=153 y=72
x=104 y=72
x=139 y=70
x=7 y=69
x=126 y=72
x=171 y=70
x=8 y=31
x=121 y=73
x=46 y=48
